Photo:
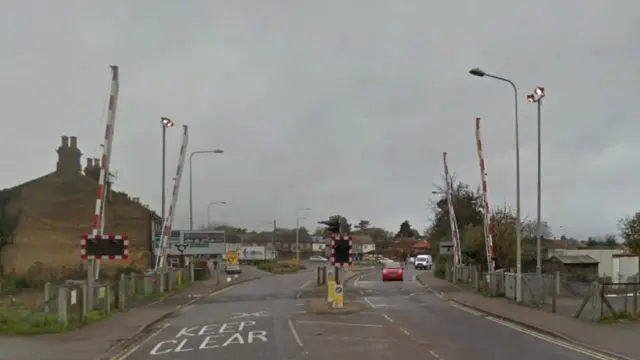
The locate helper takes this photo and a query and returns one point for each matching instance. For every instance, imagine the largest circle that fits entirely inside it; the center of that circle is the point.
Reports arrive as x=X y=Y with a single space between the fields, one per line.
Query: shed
x=583 y=266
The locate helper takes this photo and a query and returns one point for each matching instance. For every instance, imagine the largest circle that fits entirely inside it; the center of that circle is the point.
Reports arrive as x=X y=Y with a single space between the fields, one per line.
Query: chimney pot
x=96 y=162
x=65 y=141
x=74 y=142
x=89 y=163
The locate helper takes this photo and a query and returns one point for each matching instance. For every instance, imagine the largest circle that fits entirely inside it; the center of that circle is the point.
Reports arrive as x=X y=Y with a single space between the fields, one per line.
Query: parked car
x=423 y=262
x=233 y=269
x=318 y=259
x=392 y=272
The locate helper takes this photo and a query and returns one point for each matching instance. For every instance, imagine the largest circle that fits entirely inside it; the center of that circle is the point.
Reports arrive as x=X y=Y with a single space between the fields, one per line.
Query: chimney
x=69 y=158
x=89 y=163
x=96 y=163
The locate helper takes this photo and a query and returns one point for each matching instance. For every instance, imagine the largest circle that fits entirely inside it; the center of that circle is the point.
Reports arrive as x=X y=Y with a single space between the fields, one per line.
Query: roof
x=361 y=239
x=424 y=244
x=575 y=259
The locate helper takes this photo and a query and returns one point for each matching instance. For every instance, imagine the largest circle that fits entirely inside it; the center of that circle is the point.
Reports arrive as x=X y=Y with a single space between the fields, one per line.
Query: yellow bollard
x=179 y=278
x=331 y=287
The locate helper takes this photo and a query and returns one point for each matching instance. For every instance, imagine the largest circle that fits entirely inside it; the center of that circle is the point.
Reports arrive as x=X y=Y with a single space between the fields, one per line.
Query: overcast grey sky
x=341 y=106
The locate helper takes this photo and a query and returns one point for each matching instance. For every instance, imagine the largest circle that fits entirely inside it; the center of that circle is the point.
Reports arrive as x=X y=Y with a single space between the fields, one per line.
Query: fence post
x=132 y=284
x=47 y=296
x=84 y=294
x=554 y=291
x=63 y=300
x=191 y=272
x=122 y=292
x=161 y=280
x=635 y=298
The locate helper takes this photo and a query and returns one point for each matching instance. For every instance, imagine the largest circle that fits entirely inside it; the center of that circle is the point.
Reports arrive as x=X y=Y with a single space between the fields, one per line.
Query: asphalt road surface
x=268 y=319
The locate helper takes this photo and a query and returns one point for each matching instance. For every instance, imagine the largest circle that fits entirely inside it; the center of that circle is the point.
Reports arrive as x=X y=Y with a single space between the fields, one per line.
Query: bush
x=440 y=267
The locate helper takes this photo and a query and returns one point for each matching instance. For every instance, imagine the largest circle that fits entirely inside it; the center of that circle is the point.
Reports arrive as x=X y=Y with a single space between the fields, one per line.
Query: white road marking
x=464 y=308
x=295 y=333
x=298 y=294
x=435 y=355
x=549 y=339
x=361 y=292
x=337 y=323
x=369 y=303
x=301 y=304
x=305 y=284
x=186 y=308
x=405 y=332
x=521 y=329
x=387 y=317
x=135 y=348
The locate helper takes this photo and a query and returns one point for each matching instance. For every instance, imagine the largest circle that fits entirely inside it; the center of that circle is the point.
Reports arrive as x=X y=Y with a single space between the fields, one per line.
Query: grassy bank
x=15 y=320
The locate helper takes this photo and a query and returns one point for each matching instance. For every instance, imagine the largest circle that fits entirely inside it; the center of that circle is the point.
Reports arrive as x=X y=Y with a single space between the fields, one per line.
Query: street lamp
x=536 y=97
x=298 y=218
x=480 y=73
x=209 y=210
x=166 y=123
x=216 y=151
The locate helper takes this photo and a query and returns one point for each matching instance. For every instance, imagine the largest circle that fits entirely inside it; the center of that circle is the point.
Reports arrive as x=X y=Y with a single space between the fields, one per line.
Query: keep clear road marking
x=212 y=336
x=561 y=343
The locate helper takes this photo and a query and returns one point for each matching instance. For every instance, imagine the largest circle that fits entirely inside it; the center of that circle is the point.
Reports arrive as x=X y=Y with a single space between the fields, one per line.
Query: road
x=268 y=319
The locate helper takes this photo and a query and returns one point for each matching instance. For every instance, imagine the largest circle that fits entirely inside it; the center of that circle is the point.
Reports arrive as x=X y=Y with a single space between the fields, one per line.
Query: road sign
x=232 y=258
x=338 y=297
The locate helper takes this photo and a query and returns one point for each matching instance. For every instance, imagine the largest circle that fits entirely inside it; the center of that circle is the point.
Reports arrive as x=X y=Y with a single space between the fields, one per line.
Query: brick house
x=55 y=209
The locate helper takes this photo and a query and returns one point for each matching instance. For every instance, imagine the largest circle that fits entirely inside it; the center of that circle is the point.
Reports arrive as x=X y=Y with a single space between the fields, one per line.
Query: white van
x=423 y=262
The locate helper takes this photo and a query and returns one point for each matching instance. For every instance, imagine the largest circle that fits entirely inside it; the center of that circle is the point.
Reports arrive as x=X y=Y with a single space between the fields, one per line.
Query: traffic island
x=322 y=307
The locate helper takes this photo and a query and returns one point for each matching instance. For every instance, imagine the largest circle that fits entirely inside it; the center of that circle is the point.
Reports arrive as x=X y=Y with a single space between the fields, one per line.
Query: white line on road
x=135 y=348
x=337 y=323
x=405 y=332
x=298 y=294
x=464 y=308
x=305 y=284
x=387 y=317
x=435 y=355
x=558 y=342
x=185 y=308
x=295 y=333
x=369 y=303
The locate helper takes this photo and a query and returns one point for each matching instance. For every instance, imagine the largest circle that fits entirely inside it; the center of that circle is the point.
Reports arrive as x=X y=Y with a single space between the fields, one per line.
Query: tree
x=363 y=225
x=503 y=227
x=630 y=232
x=610 y=241
x=530 y=230
x=405 y=230
x=467 y=205
x=228 y=229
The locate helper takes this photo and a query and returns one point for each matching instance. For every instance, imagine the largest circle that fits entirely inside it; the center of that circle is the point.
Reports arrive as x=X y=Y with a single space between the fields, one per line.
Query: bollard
x=170 y=280
x=63 y=300
x=122 y=290
x=47 y=296
x=161 y=280
x=107 y=299
x=191 y=272
x=132 y=284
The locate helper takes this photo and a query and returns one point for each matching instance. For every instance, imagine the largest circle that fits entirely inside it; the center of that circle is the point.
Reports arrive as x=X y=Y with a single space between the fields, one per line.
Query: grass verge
x=20 y=321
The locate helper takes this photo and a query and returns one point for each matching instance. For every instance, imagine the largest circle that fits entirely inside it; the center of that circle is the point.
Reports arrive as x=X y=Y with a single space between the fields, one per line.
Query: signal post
x=341 y=246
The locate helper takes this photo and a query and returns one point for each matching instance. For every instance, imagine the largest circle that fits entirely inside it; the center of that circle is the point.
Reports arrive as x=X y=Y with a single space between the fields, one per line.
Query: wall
x=604 y=256
x=625 y=269
x=55 y=210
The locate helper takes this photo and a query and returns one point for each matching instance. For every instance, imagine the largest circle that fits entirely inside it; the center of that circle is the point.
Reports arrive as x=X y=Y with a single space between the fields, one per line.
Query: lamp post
x=536 y=97
x=480 y=73
x=166 y=123
x=209 y=210
x=298 y=218
x=216 y=151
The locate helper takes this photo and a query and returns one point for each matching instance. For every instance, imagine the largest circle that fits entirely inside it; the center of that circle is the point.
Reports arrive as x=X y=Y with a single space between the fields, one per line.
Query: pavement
x=113 y=334
x=269 y=318
x=612 y=340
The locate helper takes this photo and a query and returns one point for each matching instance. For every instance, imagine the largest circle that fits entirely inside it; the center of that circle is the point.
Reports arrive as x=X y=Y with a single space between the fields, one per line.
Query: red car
x=392 y=272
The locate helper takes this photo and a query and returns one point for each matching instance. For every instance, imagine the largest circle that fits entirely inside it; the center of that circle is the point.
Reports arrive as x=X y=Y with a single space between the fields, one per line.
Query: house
x=420 y=247
x=362 y=244
x=579 y=266
x=284 y=241
x=54 y=210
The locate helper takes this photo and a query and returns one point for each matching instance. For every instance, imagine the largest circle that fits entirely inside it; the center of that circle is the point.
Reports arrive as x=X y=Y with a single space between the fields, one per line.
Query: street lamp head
x=218 y=151
x=166 y=122
x=539 y=91
x=477 y=72
x=223 y=202
x=531 y=98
